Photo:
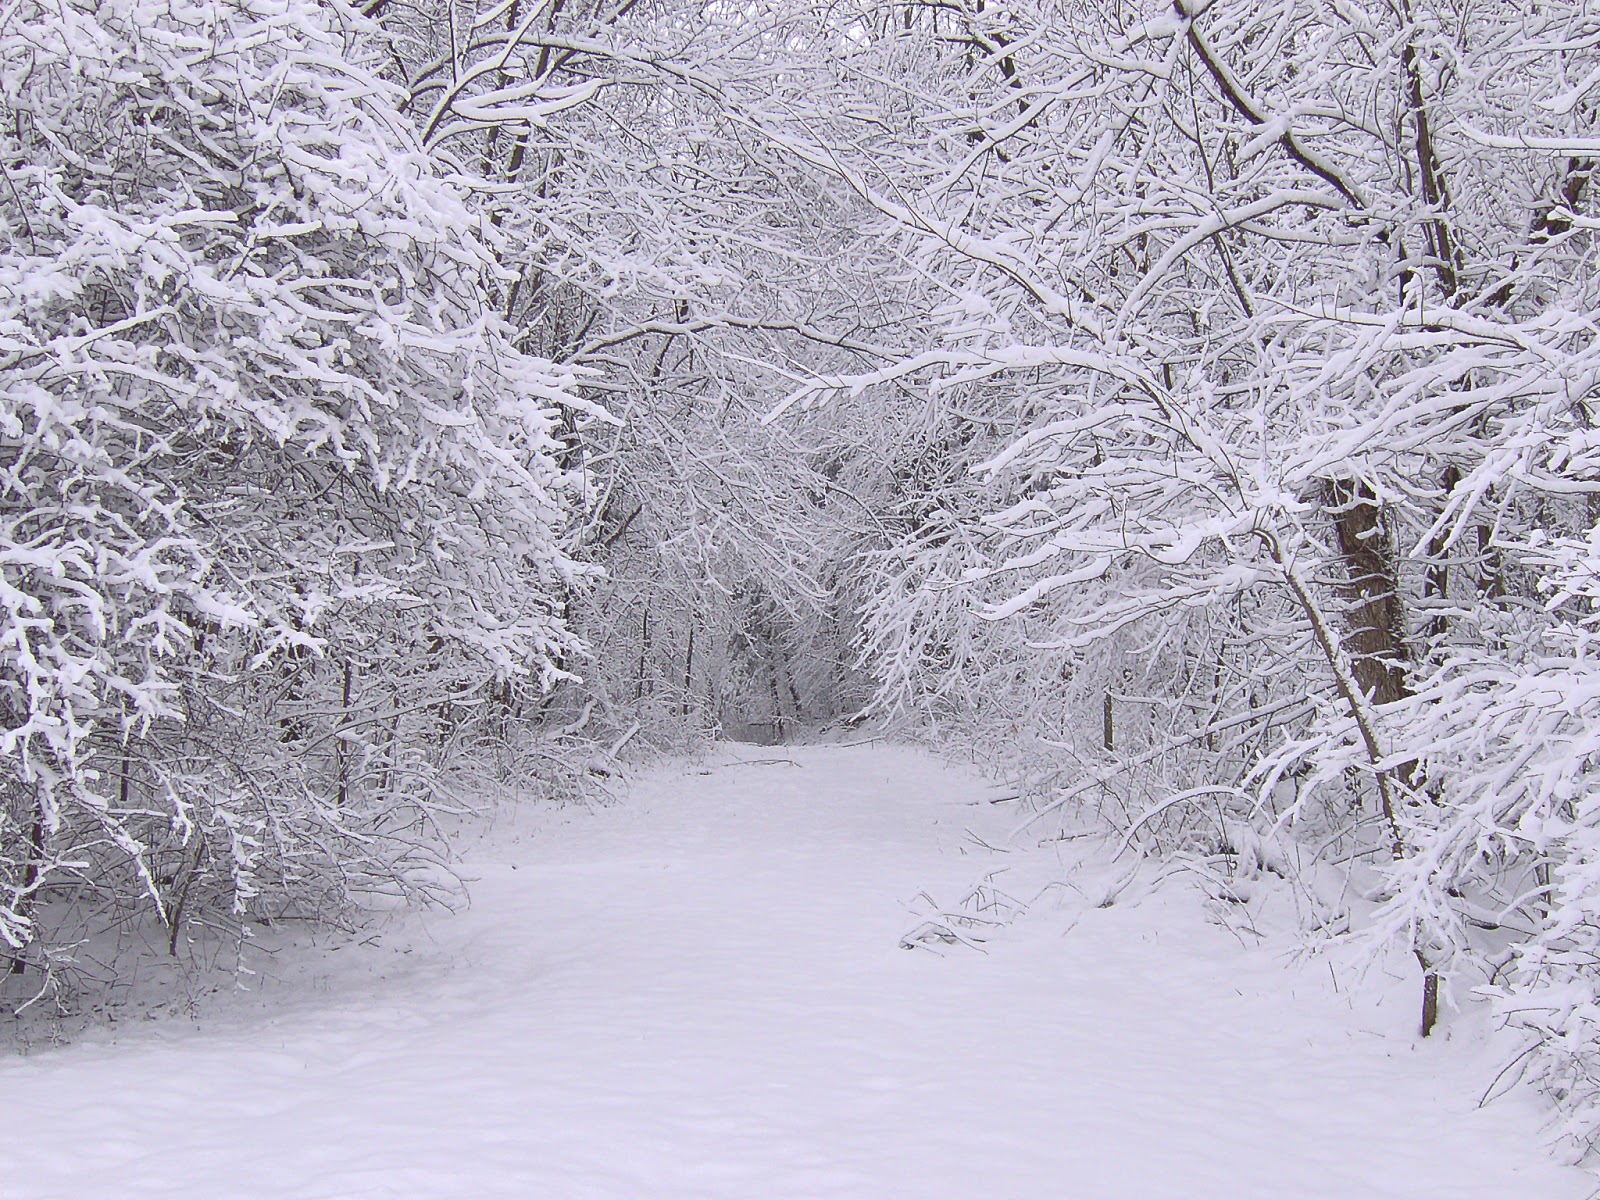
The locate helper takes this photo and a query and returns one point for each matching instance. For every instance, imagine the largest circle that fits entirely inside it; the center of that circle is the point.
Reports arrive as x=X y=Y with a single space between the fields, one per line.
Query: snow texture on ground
x=701 y=993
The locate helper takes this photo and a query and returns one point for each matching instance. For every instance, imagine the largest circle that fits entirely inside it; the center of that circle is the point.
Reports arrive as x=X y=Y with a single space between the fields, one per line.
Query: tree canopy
x=1187 y=405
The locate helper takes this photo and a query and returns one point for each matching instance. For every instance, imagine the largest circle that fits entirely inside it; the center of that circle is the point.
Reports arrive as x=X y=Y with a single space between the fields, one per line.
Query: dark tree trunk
x=1374 y=615
x=30 y=880
x=1376 y=644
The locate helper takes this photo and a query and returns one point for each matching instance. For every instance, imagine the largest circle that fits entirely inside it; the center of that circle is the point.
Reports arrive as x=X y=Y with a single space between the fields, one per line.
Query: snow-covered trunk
x=1374 y=614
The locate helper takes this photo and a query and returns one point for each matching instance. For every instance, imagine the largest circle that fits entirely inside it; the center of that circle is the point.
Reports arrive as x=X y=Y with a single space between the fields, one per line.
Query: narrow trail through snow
x=700 y=993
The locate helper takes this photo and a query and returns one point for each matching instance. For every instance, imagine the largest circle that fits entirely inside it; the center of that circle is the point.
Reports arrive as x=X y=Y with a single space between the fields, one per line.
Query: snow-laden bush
x=1505 y=827
x=278 y=498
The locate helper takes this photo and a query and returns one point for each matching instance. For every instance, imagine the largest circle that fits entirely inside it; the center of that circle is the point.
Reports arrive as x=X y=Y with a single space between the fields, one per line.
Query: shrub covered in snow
x=278 y=498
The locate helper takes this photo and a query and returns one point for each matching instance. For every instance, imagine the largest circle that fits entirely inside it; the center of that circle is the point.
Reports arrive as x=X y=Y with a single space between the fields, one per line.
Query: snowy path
x=698 y=994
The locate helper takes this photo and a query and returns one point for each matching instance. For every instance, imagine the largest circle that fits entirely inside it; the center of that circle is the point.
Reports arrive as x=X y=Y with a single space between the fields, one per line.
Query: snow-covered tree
x=1267 y=331
x=649 y=238
x=279 y=490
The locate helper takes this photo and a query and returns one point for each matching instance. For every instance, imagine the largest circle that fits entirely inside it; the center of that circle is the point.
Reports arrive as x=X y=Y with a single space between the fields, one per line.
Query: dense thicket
x=1189 y=403
x=651 y=240
x=280 y=494
x=1260 y=522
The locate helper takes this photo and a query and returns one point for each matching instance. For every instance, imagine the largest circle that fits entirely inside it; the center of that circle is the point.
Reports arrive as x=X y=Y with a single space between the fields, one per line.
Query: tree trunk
x=1375 y=651
x=644 y=656
x=1375 y=639
x=30 y=880
x=1438 y=584
x=688 y=672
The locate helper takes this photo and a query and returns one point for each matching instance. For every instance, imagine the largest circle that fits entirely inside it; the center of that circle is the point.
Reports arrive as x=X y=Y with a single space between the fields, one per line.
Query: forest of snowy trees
x=1187 y=403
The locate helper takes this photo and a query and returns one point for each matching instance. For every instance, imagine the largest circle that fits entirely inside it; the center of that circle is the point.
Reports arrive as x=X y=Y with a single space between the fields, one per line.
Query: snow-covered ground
x=701 y=993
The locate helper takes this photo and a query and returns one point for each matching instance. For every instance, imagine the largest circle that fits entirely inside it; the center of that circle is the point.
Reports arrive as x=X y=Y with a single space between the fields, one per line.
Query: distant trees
x=648 y=237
